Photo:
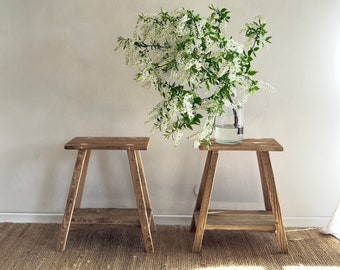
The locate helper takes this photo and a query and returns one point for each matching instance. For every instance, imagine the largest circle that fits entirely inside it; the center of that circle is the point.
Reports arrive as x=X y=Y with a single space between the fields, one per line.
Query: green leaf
x=158 y=53
x=252 y=72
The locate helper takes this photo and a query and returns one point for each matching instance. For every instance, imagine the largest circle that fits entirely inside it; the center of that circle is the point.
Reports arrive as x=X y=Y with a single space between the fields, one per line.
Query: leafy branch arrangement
x=195 y=67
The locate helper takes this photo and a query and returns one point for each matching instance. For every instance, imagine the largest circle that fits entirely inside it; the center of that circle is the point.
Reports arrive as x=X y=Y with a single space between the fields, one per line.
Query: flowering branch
x=194 y=66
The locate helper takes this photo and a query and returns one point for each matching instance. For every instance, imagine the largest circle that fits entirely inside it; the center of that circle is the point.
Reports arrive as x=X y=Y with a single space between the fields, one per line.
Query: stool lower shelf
x=115 y=217
x=238 y=220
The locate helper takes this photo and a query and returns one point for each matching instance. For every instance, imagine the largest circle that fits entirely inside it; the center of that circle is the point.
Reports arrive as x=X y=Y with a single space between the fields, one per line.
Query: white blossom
x=190 y=60
x=178 y=137
x=197 y=143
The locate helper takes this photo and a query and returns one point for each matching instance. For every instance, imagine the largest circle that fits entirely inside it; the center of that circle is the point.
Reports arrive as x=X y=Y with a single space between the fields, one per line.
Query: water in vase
x=228 y=134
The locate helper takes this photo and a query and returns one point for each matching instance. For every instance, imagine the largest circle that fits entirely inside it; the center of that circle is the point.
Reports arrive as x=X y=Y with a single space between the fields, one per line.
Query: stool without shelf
x=269 y=219
x=75 y=216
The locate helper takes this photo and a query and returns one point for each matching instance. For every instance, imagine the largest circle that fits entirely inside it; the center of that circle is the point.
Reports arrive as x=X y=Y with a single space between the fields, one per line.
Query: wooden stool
x=267 y=220
x=142 y=216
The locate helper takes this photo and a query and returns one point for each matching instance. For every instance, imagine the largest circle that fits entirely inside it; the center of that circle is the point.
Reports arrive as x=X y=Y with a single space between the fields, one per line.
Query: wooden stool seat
x=75 y=216
x=269 y=219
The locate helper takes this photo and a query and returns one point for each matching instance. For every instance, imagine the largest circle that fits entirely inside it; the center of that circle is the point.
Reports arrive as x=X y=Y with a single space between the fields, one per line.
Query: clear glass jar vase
x=229 y=126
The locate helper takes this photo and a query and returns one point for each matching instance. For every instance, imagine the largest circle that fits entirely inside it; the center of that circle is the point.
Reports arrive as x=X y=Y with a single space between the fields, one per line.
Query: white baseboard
x=159 y=219
x=31 y=217
x=173 y=219
x=306 y=221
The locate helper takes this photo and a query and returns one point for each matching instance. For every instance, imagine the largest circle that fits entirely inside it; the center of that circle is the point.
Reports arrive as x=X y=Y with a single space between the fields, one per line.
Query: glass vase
x=229 y=126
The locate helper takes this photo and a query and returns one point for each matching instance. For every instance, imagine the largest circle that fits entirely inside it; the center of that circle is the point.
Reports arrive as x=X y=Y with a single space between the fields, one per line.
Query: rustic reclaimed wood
x=74 y=215
x=145 y=189
x=264 y=185
x=123 y=217
x=205 y=200
x=140 y=200
x=274 y=200
x=269 y=219
x=201 y=189
x=78 y=174
x=109 y=143
x=83 y=178
x=258 y=145
x=239 y=220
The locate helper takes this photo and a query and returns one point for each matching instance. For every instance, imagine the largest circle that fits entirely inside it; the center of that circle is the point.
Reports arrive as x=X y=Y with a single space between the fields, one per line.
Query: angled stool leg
x=204 y=206
x=268 y=177
x=140 y=201
x=145 y=189
x=201 y=190
x=77 y=178
x=264 y=185
x=82 y=180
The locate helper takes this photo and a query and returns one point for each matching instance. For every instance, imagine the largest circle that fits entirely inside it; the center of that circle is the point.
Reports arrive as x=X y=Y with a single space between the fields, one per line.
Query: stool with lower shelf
x=269 y=219
x=75 y=216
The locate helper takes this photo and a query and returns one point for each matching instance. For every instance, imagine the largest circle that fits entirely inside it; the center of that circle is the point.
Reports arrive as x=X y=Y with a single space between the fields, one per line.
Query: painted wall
x=60 y=78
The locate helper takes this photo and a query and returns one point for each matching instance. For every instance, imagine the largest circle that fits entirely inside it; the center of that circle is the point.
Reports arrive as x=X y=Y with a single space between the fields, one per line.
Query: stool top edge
x=259 y=145
x=108 y=143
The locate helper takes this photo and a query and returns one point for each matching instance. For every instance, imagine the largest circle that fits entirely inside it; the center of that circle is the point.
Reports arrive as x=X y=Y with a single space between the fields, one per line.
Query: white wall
x=60 y=77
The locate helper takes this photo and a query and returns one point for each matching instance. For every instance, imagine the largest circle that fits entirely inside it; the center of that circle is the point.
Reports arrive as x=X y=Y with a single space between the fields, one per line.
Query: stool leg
x=207 y=189
x=268 y=176
x=82 y=179
x=145 y=189
x=140 y=201
x=265 y=191
x=78 y=174
x=201 y=190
